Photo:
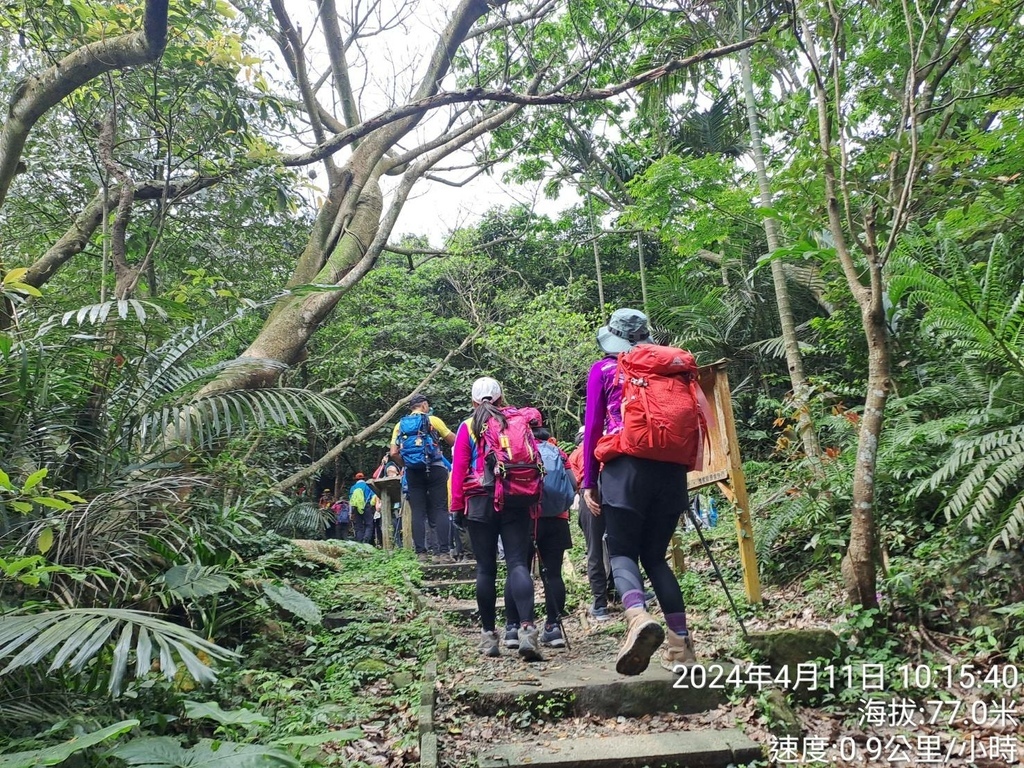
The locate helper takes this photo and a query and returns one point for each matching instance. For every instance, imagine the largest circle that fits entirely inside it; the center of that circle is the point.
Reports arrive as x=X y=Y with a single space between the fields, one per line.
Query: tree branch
x=340 y=448
x=77 y=237
x=41 y=92
x=421 y=105
x=339 y=63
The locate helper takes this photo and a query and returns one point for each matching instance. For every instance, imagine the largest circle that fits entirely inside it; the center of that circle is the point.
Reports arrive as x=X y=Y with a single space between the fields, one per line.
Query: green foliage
x=77 y=635
x=196 y=710
x=973 y=309
x=549 y=347
x=293 y=602
x=58 y=753
x=165 y=752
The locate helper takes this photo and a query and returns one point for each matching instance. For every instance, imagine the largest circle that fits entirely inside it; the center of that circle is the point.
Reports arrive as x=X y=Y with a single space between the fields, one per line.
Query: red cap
x=360 y=475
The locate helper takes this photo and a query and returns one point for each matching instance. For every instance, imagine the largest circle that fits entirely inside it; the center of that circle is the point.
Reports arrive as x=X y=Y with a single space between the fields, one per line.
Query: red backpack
x=663 y=408
x=513 y=465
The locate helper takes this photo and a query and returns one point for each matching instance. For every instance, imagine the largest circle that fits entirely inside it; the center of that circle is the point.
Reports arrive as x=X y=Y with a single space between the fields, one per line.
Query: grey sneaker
x=489 y=643
x=600 y=614
x=511 y=636
x=529 y=646
x=552 y=636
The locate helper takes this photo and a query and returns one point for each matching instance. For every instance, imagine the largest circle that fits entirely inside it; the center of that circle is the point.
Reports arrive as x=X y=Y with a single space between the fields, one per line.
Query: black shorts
x=480 y=509
x=643 y=484
x=553 y=533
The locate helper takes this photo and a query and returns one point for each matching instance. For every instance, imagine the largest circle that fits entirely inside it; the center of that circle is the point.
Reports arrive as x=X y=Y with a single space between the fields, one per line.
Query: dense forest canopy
x=207 y=309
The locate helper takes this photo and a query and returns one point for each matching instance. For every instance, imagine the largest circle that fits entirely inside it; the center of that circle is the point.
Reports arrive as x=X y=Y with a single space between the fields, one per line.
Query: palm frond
x=201 y=421
x=303 y=521
x=58 y=753
x=76 y=636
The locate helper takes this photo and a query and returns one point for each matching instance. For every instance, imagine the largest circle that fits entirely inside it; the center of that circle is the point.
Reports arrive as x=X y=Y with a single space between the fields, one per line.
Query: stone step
x=463 y=569
x=684 y=749
x=596 y=688
x=449 y=586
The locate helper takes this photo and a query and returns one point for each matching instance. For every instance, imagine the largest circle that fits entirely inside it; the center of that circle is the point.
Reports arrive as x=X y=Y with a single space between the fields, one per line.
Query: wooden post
x=407 y=542
x=388 y=489
x=678 y=556
x=736 y=490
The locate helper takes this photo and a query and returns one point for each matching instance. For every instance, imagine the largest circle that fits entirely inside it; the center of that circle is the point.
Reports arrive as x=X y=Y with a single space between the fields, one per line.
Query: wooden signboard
x=723 y=468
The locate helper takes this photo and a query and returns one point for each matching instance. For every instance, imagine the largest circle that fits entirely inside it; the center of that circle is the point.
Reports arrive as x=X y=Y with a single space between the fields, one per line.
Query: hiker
x=392 y=470
x=640 y=501
x=598 y=568
x=361 y=498
x=551 y=537
x=324 y=503
x=416 y=446
x=497 y=494
x=342 y=518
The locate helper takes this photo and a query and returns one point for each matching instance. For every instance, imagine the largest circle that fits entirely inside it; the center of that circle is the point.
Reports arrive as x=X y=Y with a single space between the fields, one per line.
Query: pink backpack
x=513 y=464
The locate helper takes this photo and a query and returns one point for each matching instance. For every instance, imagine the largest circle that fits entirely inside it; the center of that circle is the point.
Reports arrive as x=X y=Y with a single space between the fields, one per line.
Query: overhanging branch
x=419 y=106
x=41 y=92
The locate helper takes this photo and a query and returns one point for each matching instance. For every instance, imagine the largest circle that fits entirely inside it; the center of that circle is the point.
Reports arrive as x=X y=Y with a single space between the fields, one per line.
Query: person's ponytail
x=484 y=413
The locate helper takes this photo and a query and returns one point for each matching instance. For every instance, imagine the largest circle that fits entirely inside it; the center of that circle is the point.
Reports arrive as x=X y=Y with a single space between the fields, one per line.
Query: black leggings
x=513 y=525
x=551 y=546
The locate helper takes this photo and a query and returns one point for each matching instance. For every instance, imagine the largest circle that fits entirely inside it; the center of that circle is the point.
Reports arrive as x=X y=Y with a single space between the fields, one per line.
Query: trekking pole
x=697 y=526
x=547 y=594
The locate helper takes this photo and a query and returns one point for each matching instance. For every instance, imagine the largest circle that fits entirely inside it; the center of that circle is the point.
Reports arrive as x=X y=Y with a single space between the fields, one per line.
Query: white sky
x=433 y=209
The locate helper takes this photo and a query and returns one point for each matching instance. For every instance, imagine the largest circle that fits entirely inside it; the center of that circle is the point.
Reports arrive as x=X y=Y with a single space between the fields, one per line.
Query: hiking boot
x=445 y=559
x=552 y=636
x=599 y=614
x=679 y=652
x=529 y=647
x=512 y=636
x=643 y=636
x=424 y=558
x=489 y=643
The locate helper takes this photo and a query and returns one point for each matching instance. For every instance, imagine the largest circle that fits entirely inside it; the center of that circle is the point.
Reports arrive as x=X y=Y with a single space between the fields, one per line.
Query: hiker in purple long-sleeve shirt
x=603 y=416
x=640 y=501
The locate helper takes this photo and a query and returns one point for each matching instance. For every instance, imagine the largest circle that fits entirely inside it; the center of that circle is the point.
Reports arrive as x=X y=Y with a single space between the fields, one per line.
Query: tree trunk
x=794 y=358
x=859 y=572
x=859 y=566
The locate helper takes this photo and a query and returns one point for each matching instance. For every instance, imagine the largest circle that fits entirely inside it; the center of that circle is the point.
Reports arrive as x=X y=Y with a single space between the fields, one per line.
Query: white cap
x=486 y=388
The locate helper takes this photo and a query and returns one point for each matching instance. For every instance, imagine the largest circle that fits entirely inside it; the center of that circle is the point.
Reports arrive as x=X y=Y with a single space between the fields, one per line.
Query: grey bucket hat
x=626 y=328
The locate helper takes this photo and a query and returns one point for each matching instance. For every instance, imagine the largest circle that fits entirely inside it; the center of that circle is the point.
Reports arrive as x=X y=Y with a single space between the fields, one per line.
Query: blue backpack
x=417 y=441
x=558 y=494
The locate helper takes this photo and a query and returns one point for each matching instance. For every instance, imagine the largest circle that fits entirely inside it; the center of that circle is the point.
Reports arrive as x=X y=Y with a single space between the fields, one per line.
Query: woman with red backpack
x=496 y=491
x=640 y=499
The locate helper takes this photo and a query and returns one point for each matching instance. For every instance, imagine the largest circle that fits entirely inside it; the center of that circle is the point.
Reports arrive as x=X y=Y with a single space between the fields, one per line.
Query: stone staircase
x=581 y=686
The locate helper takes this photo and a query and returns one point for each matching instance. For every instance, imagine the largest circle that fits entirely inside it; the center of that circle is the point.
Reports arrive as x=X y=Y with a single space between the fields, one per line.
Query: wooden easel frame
x=723 y=467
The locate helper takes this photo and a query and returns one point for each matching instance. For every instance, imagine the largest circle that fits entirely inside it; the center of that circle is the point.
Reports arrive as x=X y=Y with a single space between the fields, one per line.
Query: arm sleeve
x=593 y=423
x=394 y=435
x=461 y=454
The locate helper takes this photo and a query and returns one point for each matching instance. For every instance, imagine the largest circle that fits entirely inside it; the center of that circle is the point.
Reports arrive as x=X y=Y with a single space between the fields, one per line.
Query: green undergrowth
x=324 y=650
x=361 y=672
